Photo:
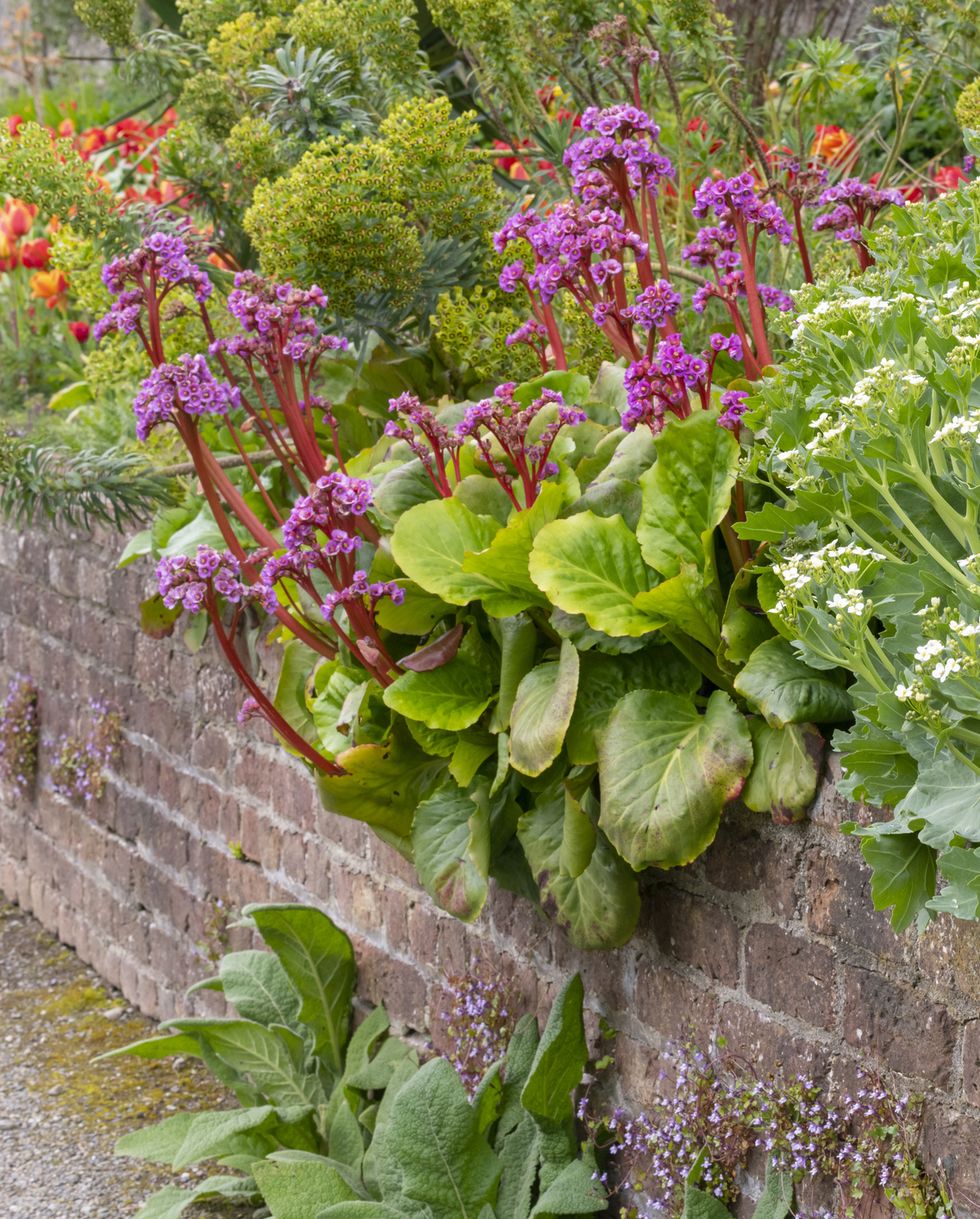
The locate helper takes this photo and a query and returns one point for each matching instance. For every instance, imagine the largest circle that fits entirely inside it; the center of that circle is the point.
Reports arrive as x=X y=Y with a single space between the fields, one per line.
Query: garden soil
x=60 y=1112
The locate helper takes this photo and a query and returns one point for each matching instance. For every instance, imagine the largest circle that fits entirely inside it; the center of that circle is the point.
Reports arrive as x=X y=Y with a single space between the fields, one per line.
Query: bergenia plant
x=522 y=638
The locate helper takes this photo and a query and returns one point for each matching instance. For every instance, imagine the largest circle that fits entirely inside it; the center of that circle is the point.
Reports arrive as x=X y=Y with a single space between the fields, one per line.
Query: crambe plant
x=871 y=442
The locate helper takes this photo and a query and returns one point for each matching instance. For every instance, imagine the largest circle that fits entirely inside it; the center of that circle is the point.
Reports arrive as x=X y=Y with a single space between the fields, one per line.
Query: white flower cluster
x=830 y=577
x=949 y=649
x=963 y=429
x=856 y=310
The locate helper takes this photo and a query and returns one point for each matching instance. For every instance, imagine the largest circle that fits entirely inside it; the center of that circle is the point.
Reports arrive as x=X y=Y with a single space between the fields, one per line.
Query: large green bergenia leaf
x=451 y=697
x=319 y=961
x=599 y=907
x=434 y=1161
x=430 y=543
x=383 y=783
x=518 y=639
x=292 y=689
x=785 y=769
x=787 y=691
x=592 y=565
x=603 y=680
x=451 y=847
x=688 y=602
x=542 y=710
x=666 y=771
x=505 y=561
x=687 y=492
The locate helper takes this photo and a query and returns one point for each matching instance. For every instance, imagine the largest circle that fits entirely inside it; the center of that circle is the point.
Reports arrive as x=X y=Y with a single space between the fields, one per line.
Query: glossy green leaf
x=505 y=560
x=542 y=710
x=685 y=601
x=787 y=691
x=333 y=728
x=578 y=838
x=687 y=492
x=471 y=751
x=785 y=770
x=603 y=680
x=598 y=908
x=451 y=697
x=451 y=847
x=592 y=565
x=666 y=771
x=518 y=638
x=290 y=698
x=156 y=620
x=382 y=784
x=430 y=543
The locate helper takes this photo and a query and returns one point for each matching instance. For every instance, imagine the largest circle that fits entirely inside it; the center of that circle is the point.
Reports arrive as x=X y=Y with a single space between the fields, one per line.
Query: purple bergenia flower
x=191 y=581
x=187 y=386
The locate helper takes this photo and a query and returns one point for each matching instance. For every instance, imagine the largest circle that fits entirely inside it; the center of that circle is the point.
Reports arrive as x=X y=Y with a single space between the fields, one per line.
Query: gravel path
x=60 y=1113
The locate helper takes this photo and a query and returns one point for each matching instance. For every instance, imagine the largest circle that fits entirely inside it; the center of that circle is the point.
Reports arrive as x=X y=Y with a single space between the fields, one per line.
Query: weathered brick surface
x=769 y=939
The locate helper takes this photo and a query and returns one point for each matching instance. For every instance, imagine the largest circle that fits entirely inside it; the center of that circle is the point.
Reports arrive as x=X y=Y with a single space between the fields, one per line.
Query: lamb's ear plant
x=334 y=1123
x=305 y=1080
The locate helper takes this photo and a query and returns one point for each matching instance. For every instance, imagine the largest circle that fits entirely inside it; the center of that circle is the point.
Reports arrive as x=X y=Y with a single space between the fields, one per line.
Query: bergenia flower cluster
x=431 y=441
x=187 y=387
x=855 y=206
x=504 y=420
x=664 y=383
x=194 y=582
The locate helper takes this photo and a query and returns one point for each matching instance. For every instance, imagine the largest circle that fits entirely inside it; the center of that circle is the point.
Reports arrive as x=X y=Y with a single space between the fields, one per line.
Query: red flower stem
x=757 y=315
x=801 y=241
x=554 y=337
x=285 y=730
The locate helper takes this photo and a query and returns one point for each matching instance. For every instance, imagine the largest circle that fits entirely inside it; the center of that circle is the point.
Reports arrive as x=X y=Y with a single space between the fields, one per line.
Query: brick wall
x=770 y=938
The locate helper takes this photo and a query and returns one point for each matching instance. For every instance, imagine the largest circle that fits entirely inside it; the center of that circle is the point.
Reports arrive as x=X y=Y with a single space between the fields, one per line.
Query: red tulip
x=949 y=177
x=14 y=122
x=35 y=254
x=80 y=330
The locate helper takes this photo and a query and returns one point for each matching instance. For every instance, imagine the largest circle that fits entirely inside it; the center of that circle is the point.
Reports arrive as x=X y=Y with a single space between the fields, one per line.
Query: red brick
x=696 y=932
x=838 y=895
x=898 y=1026
x=790 y=974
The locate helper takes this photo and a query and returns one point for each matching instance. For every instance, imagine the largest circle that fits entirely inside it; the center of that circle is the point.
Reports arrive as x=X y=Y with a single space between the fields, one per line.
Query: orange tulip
x=50 y=287
x=834 y=146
